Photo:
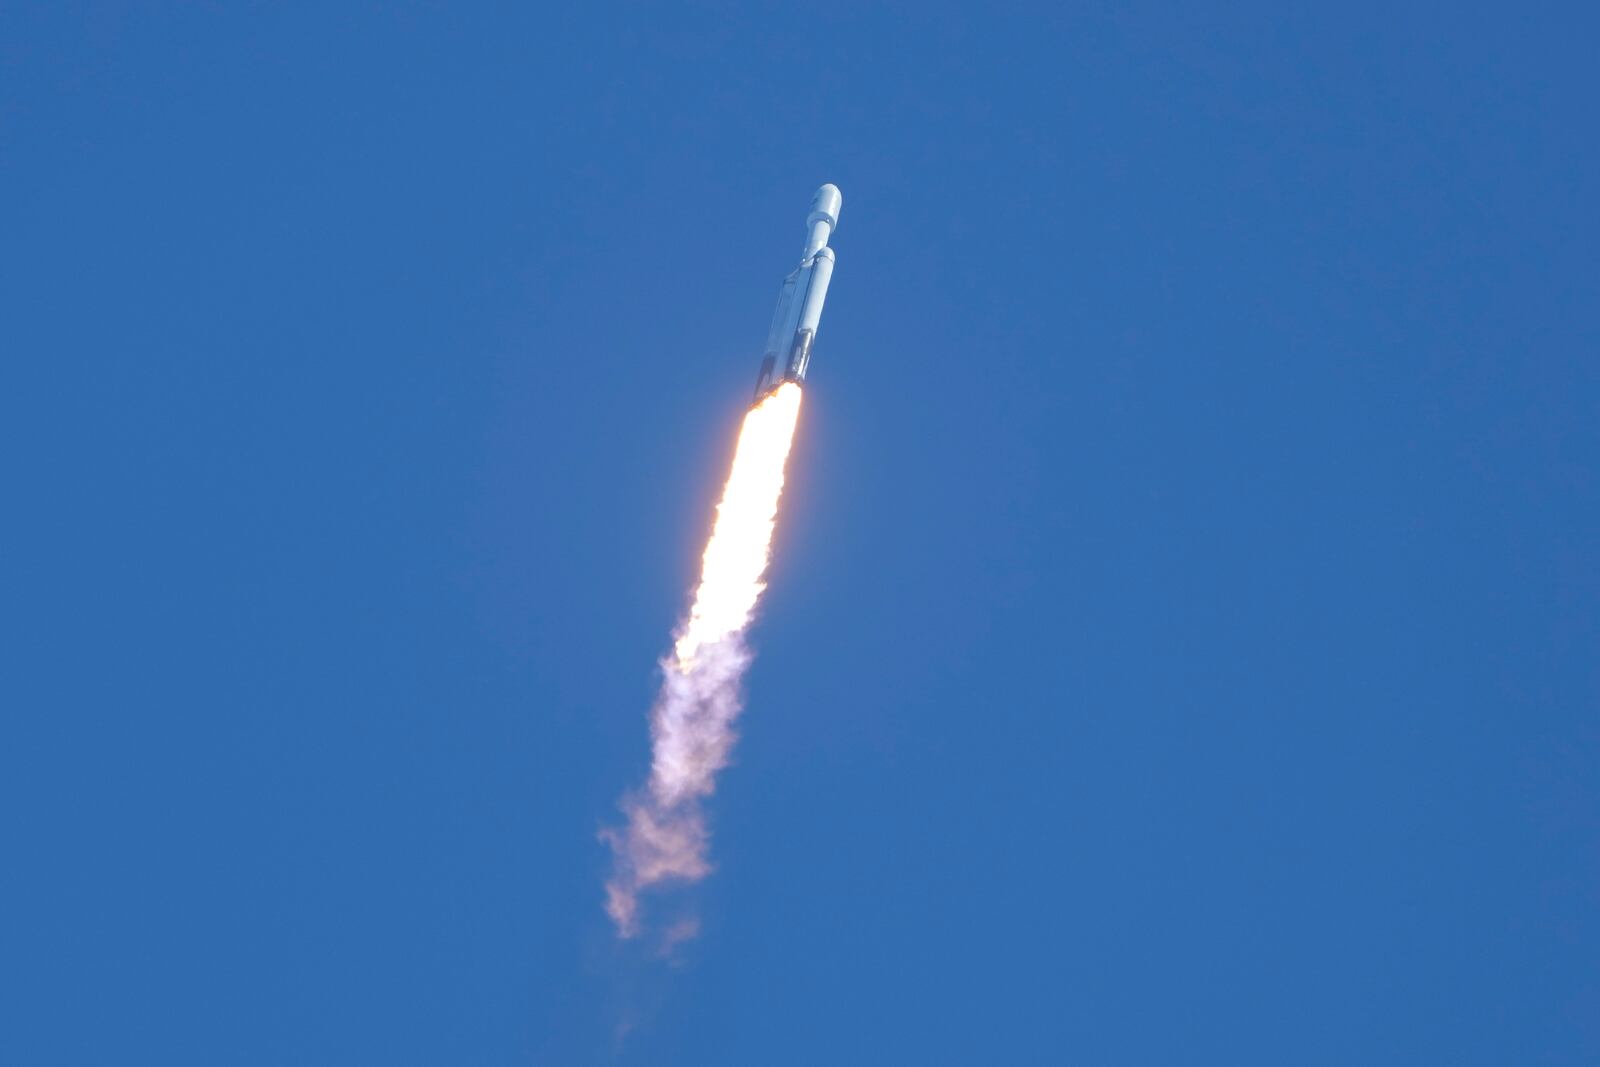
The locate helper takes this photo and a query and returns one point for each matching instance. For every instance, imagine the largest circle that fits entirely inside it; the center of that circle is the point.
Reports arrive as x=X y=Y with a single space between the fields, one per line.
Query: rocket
x=794 y=325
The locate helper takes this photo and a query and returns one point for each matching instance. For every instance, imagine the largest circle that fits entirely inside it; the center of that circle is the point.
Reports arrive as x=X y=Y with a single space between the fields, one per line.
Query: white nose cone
x=823 y=218
x=826 y=205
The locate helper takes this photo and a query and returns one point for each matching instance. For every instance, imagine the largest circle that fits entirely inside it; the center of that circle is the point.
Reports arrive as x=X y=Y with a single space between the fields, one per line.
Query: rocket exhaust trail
x=664 y=840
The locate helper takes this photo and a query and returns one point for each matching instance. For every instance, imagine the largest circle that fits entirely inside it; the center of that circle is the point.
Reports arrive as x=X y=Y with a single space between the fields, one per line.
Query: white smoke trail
x=665 y=838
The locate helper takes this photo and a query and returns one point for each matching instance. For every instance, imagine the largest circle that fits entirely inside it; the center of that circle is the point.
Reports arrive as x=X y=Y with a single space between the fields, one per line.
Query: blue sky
x=1181 y=644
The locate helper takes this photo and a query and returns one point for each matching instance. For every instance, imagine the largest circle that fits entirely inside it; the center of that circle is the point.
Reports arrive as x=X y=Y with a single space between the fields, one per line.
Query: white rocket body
x=794 y=324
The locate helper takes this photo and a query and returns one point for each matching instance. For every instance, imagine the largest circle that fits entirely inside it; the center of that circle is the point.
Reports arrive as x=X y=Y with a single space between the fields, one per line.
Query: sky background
x=1181 y=644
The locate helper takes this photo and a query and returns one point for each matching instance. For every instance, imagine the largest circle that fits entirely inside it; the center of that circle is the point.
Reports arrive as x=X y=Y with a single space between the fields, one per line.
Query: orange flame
x=736 y=556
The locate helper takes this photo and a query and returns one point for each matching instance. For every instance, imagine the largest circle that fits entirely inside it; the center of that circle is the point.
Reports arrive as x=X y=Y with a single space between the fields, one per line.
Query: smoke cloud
x=665 y=840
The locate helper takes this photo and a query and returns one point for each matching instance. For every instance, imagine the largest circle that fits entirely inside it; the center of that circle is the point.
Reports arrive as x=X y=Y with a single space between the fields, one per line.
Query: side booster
x=794 y=325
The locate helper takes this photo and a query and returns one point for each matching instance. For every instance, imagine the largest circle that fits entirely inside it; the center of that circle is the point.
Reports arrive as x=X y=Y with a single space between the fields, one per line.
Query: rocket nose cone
x=826 y=204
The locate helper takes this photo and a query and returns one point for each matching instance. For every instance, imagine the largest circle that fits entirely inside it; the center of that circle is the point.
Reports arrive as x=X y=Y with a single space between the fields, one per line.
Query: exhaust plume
x=665 y=840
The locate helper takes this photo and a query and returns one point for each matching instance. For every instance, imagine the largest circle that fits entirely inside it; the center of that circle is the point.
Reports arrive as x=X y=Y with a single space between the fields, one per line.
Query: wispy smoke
x=665 y=840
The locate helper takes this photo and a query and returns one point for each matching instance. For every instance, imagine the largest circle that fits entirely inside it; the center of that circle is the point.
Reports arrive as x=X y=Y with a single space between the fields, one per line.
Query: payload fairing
x=794 y=325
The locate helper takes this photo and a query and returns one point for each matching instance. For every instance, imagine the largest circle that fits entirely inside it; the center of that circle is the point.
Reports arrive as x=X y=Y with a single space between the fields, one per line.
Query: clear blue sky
x=1181 y=646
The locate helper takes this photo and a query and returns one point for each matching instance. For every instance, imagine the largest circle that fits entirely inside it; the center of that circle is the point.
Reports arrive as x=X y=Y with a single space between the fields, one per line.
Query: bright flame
x=691 y=727
x=736 y=555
